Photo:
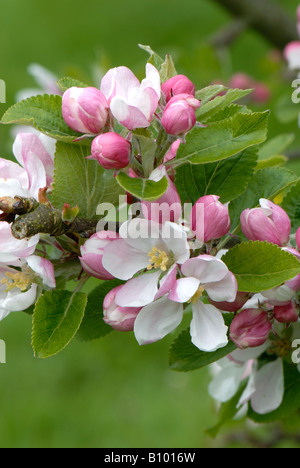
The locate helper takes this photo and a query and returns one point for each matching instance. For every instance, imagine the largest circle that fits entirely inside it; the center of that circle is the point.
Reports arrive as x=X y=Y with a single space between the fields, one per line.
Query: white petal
x=206 y=268
x=122 y=260
x=156 y=320
x=141 y=234
x=208 y=329
x=226 y=383
x=175 y=238
x=139 y=291
x=18 y=301
x=269 y=383
x=224 y=290
x=184 y=290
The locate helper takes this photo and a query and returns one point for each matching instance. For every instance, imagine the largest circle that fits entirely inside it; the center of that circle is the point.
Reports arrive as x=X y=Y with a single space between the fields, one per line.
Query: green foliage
x=144 y=189
x=223 y=139
x=65 y=83
x=57 y=317
x=82 y=182
x=213 y=106
x=227 y=178
x=259 y=266
x=291 y=204
x=42 y=112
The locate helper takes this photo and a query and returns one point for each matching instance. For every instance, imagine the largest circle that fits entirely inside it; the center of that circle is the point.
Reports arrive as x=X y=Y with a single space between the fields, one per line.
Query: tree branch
x=266 y=17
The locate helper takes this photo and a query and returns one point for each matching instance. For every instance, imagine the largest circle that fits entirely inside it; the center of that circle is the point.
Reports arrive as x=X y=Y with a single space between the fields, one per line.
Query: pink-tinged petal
x=176 y=240
x=44 y=268
x=152 y=80
x=18 y=301
x=205 y=268
x=157 y=320
x=41 y=146
x=11 y=188
x=44 y=78
x=269 y=384
x=117 y=82
x=141 y=234
x=11 y=170
x=184 y=290
x=224 y=290
x=128 y=116
x=122 y=260
x=139 y=291
x=167 y=282
x=11 y=249
x=208 y=330
x=292 y=55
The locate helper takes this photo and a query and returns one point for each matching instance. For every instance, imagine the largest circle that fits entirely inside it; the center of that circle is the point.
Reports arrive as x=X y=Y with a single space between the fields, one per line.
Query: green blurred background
x=113 y=393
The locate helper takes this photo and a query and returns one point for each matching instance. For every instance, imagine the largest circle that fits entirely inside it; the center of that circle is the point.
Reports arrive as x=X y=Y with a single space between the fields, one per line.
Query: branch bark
x=266 y=17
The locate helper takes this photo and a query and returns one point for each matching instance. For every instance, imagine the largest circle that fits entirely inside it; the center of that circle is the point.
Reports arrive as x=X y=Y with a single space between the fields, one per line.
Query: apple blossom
x=132 y=103
x=12 y=250
x=148 y=248
x=240 y=301
x=292 y=55
x=111 y=150
x=268 y=223
x=92 y=254
x=214 y=221
x=85 y=110
x=250 y=328
x=208 y=329
x=286 y=313
x=260 y=93
x=298 y=238
x=119 y=318
x=179 y=115
x=178 y=84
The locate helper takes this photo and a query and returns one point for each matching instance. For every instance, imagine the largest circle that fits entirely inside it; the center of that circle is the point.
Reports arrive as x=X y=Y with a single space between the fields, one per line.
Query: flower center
x=16 y=280
x=197 y=295
x=280 y=347
x=158 y=259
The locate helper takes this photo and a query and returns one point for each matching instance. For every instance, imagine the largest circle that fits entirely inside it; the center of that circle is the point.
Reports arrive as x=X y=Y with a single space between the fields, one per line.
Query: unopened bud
x=111 y=150
x=178 y=84
x=119 y=318
x=214 y=221
x=287 y=313
x=92 y=253
x=240 y=301
x=179 y=115
x=250 y=328
x=85 y=110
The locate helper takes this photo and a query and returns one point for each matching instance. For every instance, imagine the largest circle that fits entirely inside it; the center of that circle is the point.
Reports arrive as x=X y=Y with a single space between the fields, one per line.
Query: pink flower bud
x=286 y=313
x=111 y=150
x=179 y=84
x=269 y=223
x=179 y=115
x=261 y=92
x=250 y=328
x=241 y=299
x=85 y=110
x=92 y=253
x=119 y=318
x=168 y=206
x=210 y=218
x=298 y=238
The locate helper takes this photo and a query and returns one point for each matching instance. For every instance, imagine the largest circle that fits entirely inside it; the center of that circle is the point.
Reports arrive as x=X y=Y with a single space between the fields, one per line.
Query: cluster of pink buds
x=123 y=97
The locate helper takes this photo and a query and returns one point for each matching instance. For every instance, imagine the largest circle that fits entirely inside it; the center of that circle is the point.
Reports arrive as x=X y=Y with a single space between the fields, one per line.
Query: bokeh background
x=112 y=393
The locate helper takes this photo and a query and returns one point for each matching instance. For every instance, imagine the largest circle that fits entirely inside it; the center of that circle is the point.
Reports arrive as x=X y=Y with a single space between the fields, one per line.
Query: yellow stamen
x=16 y=280
x=197 y=295
x=158 y=259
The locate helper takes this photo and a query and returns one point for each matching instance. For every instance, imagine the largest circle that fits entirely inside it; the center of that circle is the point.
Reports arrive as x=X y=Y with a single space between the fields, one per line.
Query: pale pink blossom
x=268 y=223
x=119 y=318
x=85 y=110
x=92 y=254
x=132 y=103
x=153 y=251
x=13 y=250
x=208 y=329
x=292 y=55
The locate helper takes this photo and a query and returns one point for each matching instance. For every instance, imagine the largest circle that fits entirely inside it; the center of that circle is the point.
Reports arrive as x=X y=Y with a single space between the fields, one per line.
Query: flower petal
x=123 y=261
x=139 y=291
x=224 y=290
x=208 y=329
x=205 y=268
x=269 y=383
x=184 y=290
x=156 y=320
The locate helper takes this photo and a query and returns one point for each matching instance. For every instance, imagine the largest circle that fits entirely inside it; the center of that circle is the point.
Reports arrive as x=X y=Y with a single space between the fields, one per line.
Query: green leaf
x=155 y=59
x=93 y=326
x=65 y=83
x=42 y=112
x=291 y=204
x=143 y=189
x=259 y=266
x=80 y=181
x=227 y=178
x=276 y=146
x=278 y=160
x=265 y=183
x=185 y=357
x=223 y=139
x=207 y=94
x=219 y=103
x=57 y=317
x=167 y=69
x=291 y=399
